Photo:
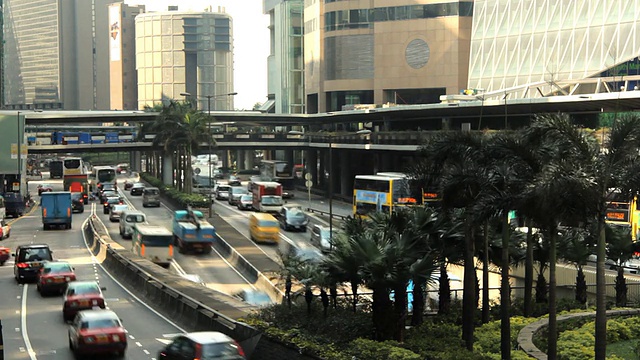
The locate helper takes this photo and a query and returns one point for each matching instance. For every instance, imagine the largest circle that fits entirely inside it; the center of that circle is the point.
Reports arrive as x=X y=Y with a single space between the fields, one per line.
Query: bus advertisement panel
x=373 y=193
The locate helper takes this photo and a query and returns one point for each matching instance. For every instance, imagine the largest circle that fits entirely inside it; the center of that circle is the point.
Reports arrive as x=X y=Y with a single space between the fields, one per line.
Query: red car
x=81 y=295
x=5 y=253
x=54 y=277
x=44 y=188
x=97 y=332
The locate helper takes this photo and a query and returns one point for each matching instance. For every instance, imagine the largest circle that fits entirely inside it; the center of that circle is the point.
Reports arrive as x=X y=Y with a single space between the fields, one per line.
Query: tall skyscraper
x=374 y=52
x=178 y=52
x=122 y=53
x=56 y=54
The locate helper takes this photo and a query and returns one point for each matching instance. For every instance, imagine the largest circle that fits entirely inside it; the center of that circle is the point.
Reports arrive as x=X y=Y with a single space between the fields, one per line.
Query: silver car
x=320 y=237
x=222 y=192
x=116 y=211
x=235 y=193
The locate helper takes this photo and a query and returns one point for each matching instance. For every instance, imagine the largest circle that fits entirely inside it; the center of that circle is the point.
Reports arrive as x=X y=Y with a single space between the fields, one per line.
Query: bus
x=279 y=171
x=154 y=243
x=420 y=196
x=623 y=212
x=374 y=193
x=102 y=175
x=56 y=169
x=73 y=166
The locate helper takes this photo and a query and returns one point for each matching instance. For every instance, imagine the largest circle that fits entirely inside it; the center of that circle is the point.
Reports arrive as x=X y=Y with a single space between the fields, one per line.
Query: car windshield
x=136 y=185
x=238 y=190
x=268 y=223
x=135 y=218
x=100 y=324
x=296 y=213
x=119 y=208
x=57 y=268
x=109 y=193
x=218 y=350
x=34 y=254
x=76 y=195
x=271 y=200
x=151 y=192
x=113 y=200
x=224 y=188
x=246 y=197
x=107 y=187
x=83 y=289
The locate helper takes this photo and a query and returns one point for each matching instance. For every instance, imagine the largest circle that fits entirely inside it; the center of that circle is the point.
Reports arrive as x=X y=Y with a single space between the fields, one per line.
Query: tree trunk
x=418 y=301
x=308 y=297
x=621 y=288
x=486 y=307
x=469 y=294
x=528 y=273
x=380 y=313
x=541 y=288
x=581 y=287
x=601 y=291
x=354 y=291
x=505 y=292
x=325 y=301
x=552 y=341
x=333 y=291
x=400 y=310
x=444 y=290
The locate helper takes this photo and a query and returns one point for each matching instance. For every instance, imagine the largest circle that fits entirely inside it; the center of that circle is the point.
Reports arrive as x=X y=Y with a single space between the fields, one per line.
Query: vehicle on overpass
x=192 y=233
x=153 y=243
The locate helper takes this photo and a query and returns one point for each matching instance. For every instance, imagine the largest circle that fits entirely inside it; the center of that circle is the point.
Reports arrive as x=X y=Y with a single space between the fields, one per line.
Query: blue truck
x=192 y=233
x=56 y=209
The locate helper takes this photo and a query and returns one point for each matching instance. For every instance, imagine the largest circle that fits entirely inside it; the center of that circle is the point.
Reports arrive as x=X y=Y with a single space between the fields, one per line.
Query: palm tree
x=620 y=248
x=575 y=247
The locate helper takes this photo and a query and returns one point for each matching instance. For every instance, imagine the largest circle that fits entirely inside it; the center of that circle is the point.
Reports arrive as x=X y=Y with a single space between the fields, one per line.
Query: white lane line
x=138 y=344
x=127 y=290
x=23 y=324
x=146 y=352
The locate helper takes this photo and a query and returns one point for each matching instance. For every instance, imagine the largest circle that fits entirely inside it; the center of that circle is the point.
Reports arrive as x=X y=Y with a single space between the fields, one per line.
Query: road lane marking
x=146 y=352
x=165 y=341
x=138 y=344
x=23 y=324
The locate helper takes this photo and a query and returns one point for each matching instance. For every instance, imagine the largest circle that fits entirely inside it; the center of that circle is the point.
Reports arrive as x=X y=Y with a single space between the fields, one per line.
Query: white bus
x=72 y=166
x=100 y=175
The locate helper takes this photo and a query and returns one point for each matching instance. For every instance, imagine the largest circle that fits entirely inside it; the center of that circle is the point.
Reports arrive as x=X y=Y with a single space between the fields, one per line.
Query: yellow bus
x=154 y=243
x=386 y=193
x=623 y=212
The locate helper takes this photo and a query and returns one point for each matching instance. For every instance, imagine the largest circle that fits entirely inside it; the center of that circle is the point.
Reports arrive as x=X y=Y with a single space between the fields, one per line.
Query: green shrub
x=181 y=199
x=374 y=350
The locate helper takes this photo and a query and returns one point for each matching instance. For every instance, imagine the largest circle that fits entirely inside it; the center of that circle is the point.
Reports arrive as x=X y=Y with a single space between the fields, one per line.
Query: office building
x=122 y=56
x=515 y=43
x=285 y=62
x=55 y=54
x=178 y=52
x=401 y=51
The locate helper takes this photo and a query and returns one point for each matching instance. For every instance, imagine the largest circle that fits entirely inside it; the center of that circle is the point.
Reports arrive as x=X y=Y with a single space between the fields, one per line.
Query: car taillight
x=198 y=352
x=240 y=350
x=81 y=201
x=22 y=265
x=105 y=204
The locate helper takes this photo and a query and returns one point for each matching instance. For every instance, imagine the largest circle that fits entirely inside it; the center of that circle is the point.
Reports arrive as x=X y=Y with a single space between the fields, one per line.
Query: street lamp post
x=211 y=184
x=19 y=175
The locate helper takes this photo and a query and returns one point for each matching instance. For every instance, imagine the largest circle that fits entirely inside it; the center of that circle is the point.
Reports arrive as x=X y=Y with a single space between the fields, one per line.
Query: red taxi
x=5 y=229
x=81 y=295
x=5 y=253
x=97 y=332
x=54 y=277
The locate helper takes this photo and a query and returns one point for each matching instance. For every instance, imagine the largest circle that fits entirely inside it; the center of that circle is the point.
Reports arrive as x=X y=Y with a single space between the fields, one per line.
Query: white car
x=5 y=229
x=116 y=211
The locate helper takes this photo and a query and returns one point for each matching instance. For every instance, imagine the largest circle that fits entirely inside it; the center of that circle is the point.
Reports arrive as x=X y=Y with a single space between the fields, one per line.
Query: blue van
x=56 y=209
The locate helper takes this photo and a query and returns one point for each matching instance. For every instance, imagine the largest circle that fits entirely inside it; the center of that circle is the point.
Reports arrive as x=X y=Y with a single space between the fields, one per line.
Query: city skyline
x=251 y=43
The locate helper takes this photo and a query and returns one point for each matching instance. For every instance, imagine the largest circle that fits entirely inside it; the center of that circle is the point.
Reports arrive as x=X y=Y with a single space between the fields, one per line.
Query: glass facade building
x=520 y=42
x=178 y=52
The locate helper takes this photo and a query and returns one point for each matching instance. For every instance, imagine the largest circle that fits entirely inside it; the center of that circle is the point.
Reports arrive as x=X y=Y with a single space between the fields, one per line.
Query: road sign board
x=308 y=183
x=307 y=176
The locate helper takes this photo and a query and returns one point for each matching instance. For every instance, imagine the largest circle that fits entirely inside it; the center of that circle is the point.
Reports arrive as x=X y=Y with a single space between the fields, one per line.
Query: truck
x=14 y=204
x=56 y=209
x=191 y=232
x=267 y=196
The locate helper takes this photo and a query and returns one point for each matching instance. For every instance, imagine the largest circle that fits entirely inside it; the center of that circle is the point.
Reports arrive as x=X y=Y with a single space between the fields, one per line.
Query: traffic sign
x=308 y=183
x=196 y=171
x=307 y=176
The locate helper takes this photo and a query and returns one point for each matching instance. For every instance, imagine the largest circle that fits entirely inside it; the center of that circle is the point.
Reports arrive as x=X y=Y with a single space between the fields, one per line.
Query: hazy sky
x=250 y=40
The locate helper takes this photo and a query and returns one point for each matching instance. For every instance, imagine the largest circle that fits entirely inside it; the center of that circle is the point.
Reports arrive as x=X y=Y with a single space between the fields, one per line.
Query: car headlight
x=67 y=278
x=94 y=302
x=115 y=338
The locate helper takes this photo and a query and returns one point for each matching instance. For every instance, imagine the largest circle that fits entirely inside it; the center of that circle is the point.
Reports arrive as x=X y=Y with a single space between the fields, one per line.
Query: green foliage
x=179 y=198
x=373 y=350
x=579 y=343
x=488 y=335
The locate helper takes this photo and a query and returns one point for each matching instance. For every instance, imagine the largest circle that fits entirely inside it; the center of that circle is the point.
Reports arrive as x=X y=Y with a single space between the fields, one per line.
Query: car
x=134 y=177
x=115 y=212
x=287 y=194
x=321 y=237
x=234 y=181
x=106 y=194
x=235 y=193
x=245 y=202
x=5 y=254
x=5 y=229
x=202 y=345
x=44 y=188
x=254 y=297
x=128 y=184
x=54 y=276
x=222 y=191
x=291 y=217
x=108 y=187
x=77 y=202
x=113 y=200
x=137 y=188
x=29 y=259
x=82 y=295
x=128 y=220
x=97 y=332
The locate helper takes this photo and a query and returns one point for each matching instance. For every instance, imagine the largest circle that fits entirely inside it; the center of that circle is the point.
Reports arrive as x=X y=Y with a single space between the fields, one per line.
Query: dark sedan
x=77 y=202
x=111 y=201
x=137 y=189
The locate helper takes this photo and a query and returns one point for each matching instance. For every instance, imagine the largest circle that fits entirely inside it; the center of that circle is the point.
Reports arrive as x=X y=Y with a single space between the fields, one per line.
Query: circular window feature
x=417 y=53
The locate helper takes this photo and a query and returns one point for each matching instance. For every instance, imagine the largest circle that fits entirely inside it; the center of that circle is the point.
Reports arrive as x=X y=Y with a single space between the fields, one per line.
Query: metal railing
x=325 y=213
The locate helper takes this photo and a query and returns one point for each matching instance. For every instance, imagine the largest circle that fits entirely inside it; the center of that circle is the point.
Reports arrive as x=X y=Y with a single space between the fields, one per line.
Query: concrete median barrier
x=194 y=307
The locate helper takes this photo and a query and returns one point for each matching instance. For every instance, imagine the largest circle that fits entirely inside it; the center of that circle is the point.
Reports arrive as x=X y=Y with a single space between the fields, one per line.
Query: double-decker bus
x=623 y=212
x=419 y=196
x=279 y=171
x=373 y=193
x=56 y=169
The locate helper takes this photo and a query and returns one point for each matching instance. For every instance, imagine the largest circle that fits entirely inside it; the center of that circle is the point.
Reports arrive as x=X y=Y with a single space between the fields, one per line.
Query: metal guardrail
x=326 y=213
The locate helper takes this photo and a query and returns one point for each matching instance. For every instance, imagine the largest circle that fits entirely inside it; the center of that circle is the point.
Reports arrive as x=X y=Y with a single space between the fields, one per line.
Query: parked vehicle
x=28 y=261
x=291 y=217
x=56 y=209
x=151 y=196
x=264 y=228
x=191 y=232
x=267 y=196
x=129 y=219
x=202 y=345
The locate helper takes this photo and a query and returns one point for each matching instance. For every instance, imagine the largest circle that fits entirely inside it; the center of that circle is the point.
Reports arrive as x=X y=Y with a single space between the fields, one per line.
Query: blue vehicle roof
x=181 y=214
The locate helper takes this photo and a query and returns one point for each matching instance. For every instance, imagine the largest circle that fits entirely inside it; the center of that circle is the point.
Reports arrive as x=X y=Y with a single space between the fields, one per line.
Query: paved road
x=33 y=327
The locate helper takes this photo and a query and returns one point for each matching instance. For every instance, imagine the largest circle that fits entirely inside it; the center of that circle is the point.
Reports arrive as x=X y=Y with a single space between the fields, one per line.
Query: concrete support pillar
x=167 y=168
x=288 y=157
x=311 y=163
x=346 y=175
x=240 y=159
x=248 y=159
x=136 y=161
x=226 y=159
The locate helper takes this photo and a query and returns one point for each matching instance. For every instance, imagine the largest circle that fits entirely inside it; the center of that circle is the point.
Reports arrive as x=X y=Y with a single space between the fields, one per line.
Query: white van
x=129 y=219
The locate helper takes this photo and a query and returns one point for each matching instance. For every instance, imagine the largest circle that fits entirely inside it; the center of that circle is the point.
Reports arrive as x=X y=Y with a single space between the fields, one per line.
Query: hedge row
x=179 y=198
x=578 y=344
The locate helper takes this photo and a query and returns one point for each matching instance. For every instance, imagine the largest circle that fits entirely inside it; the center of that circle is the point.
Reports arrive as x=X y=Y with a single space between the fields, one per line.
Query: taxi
x=82 y=295
x=5 y=229
x=54 y=276
x=97 y=332
x=5 y=254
